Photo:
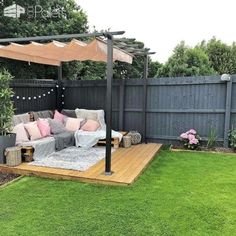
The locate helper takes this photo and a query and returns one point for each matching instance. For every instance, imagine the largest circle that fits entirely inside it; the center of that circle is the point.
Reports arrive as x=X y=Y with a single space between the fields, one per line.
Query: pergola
x=55 y=53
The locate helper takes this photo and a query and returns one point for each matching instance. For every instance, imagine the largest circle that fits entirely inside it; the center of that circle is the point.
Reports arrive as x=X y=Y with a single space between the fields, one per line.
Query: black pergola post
x=109 y=103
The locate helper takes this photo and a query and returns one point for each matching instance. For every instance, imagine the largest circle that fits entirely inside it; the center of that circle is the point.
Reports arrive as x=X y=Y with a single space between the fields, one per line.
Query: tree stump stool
x=13 y=156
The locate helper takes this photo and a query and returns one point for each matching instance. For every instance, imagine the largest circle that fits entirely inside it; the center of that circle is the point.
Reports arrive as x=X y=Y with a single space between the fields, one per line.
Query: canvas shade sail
x=56 y=52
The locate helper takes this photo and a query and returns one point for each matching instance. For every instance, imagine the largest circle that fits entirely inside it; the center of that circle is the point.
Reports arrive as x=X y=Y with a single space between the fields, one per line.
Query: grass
x=181 y=193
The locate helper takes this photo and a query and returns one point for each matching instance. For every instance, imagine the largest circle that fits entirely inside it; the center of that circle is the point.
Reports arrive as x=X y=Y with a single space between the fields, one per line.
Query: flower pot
x=6 y=141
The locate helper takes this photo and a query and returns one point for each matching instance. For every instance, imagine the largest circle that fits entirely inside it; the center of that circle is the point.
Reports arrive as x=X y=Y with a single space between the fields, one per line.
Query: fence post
x=229 y=85
x=145 y=76
x=59 y=88
x=121 y=105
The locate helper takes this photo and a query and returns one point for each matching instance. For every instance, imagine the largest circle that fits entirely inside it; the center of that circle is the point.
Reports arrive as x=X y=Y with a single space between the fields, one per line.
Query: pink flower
x=192 y=131
x=193 y=141
x=184 y=135
x=191 y=137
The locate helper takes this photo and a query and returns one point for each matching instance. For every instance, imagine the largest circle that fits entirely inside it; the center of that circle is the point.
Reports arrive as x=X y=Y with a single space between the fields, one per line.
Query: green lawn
x=179 y=194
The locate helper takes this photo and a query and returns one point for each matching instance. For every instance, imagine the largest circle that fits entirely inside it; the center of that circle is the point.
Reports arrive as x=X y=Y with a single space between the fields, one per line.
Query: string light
x=35 y=97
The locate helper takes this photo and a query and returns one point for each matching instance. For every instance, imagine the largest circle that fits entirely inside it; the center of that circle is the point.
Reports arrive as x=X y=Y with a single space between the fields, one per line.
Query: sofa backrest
x=22 y=118
x=42 y=114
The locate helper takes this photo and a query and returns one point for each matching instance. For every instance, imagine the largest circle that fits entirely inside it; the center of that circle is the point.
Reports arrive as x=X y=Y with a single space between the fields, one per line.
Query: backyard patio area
x=128 y=164
x=181 y=193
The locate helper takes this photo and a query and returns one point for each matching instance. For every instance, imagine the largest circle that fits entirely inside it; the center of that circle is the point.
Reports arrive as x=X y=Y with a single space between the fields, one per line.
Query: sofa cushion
x=97 y=115
x=69 y=113
x=21 y=134
x=64 y=140
x=42 y=114
x=33 y=130
x=73 y=124
x=90 y=125
x=56 y=126
x=22 y=118
x=44 y=127
x=58 y=116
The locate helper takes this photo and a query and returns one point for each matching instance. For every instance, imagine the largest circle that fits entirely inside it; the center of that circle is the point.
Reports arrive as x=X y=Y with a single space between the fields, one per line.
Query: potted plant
x=7 y=139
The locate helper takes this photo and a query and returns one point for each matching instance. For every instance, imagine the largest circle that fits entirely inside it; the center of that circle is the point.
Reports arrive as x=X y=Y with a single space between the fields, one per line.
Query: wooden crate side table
x=114 y=141
x=27 y=153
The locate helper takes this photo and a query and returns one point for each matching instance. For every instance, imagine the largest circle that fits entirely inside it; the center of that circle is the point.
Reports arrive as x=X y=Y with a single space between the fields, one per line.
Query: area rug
x=73 y=158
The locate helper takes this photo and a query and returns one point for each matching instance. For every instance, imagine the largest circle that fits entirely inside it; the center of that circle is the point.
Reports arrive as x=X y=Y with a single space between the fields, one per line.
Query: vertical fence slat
x=229 y=85
x=121 y=104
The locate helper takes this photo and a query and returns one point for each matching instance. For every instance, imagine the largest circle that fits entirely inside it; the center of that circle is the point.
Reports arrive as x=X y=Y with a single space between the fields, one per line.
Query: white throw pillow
x=21 y=134
x=33 y=130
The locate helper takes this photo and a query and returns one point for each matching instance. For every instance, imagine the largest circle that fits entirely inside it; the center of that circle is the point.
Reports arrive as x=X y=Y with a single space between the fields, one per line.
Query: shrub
x=190 y=139
x=6 y=104
x=212 y=137
x=232 y=138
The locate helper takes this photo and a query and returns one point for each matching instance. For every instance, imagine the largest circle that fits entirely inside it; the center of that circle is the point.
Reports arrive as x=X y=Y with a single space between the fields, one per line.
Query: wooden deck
x=127 y=165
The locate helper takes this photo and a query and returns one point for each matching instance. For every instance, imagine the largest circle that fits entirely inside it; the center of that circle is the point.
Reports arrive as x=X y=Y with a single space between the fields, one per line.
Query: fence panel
x=173 y=105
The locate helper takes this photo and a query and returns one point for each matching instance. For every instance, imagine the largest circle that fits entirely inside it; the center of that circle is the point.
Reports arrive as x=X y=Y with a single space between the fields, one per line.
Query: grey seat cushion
x=42 y=114
x=70 y=113
x=22 y=118
x=64 y=140
x=56 y=126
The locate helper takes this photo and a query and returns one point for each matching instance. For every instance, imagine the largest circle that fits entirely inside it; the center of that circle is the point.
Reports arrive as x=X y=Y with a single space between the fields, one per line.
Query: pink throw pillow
x=33 y=130
x=73 y=124
x=21 y=134
x=58 y=116
x=44 y=127
x=90 y=125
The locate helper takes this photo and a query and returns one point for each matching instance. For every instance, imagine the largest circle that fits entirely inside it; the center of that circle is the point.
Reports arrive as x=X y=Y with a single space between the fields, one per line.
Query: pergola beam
x=63 y=36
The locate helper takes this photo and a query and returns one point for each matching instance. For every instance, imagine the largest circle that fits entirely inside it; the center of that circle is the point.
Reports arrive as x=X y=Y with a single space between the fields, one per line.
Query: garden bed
x=6 y=178
x=203 y=149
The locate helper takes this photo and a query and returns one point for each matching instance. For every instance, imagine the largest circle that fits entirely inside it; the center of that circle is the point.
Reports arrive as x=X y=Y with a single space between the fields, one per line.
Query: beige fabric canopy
x=56 y=52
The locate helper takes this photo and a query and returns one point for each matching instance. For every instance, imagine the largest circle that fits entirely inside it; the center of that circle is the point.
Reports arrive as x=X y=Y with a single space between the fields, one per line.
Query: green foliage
x=211 y=141
x=221 y=56
x=154 y=66
x=186 y=61
x=180 y=193
x=206 y=58
x=232 y=138
x=6 y=104
x=71 y=20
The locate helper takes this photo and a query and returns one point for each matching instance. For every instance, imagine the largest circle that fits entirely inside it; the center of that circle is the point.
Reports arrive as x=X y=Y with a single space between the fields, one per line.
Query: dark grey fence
x=173 y=105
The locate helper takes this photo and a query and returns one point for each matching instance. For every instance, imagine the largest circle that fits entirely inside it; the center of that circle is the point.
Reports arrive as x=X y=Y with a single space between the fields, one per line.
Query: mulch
x=5 y=178
x=202 y=148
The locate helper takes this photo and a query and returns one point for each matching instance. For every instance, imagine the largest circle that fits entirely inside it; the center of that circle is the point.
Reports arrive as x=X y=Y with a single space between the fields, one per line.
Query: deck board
x=127 y=165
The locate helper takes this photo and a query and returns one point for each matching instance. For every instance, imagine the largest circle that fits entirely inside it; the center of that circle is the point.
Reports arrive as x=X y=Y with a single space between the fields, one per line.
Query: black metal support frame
x=109 y=103
x=109 y=36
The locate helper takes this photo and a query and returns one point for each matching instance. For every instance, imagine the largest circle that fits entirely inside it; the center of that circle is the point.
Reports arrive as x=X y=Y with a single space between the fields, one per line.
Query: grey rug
x=73 y=158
